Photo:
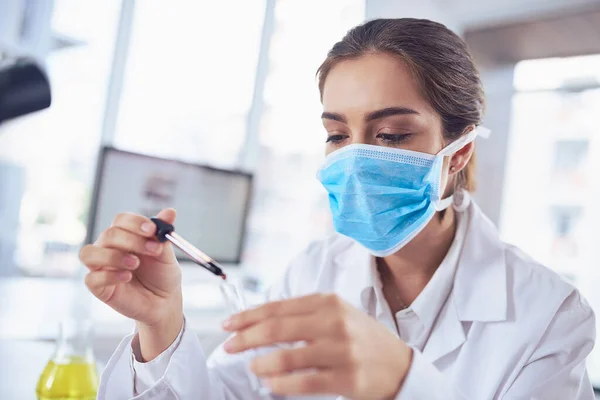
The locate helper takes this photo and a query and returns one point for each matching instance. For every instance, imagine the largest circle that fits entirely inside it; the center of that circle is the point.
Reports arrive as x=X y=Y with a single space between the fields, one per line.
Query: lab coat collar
x=480 y=288
x=479 y=292
x=435 y=294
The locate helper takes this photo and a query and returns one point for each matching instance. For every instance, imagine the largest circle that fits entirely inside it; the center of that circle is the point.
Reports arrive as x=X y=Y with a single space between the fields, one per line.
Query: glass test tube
x=235 y=303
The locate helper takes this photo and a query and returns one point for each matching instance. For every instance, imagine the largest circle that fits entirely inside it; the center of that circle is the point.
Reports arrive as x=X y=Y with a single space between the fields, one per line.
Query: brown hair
x=440 y=62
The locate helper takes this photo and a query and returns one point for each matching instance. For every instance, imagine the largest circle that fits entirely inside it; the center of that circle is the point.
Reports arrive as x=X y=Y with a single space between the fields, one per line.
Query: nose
x=362 y=137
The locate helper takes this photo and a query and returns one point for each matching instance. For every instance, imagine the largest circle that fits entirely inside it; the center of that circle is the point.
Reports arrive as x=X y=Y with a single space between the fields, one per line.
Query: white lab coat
x=510 y=329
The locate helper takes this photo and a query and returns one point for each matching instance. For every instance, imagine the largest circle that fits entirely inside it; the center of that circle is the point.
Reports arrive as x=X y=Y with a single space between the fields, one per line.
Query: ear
x=460 y=159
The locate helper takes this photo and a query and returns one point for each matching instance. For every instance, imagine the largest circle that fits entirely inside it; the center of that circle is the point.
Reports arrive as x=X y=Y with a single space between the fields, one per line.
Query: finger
x=120 y=239
x=97 y=279
x=168 y=215
x=278 y=330
x=101 y=283
x=141 y=225
x=135 y=223
x=321 y=354
x=297 y=305
x=321 y=382
x=95 y=257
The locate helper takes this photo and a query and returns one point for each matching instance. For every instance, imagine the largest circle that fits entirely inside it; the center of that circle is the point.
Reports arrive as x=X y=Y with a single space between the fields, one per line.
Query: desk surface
x=31 y=308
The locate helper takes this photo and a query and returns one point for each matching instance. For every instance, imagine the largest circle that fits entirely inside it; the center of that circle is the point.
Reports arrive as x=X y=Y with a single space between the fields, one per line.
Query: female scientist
x=414 y=297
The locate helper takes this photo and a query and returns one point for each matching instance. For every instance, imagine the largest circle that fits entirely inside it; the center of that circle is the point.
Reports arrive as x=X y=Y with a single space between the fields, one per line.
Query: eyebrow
x=378 y=114
x=334 y=117
x=388 y=112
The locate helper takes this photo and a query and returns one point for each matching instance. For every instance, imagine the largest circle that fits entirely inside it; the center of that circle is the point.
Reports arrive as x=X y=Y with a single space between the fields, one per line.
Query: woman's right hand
x=138 y=276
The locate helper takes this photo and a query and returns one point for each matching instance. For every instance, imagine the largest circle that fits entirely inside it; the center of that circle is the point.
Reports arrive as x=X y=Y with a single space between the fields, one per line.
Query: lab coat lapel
x=480 y=284
x=479 y=292
x=447 y=334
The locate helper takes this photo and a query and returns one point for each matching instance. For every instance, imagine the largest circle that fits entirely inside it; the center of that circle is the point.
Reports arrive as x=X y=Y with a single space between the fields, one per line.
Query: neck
x=406 y=272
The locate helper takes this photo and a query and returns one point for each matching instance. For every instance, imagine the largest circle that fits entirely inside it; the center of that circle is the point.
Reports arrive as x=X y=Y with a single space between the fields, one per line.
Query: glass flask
x=71 y=372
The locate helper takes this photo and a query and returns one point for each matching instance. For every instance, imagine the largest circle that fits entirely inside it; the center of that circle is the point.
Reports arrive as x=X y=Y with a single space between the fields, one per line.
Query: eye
x=392 y=138
x=336 y=139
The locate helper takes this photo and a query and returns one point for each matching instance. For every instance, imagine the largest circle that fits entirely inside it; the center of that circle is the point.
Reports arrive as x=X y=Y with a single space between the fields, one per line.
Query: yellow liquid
x=74 y=379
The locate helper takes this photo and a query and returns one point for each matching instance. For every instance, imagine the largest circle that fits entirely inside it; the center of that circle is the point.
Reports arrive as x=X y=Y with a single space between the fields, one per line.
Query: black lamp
x=24 y=88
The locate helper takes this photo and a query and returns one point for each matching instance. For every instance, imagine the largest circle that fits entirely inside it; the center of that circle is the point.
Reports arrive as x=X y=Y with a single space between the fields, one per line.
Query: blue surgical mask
x=383 y=197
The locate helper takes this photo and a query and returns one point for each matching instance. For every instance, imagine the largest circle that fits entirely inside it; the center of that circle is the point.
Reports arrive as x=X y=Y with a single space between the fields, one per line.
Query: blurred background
x=228 y=90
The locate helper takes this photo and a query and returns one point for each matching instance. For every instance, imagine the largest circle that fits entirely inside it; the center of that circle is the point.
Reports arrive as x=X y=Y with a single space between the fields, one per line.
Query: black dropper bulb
x=162 y=229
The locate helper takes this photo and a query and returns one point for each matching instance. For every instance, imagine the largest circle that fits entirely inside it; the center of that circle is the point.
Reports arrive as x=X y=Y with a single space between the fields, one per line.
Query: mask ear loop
x=464 y=140
x=453 y=148
x=444 y=203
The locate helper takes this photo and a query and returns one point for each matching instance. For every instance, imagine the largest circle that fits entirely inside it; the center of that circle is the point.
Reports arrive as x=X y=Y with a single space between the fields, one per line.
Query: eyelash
x=387 y=138
x=335 y=139
x=393 y=138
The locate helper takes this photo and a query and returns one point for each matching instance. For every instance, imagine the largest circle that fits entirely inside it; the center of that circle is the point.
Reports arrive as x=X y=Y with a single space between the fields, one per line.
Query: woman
x=415 y=297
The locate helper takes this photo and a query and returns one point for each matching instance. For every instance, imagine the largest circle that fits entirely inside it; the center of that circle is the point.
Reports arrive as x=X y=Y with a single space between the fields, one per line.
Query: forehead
x=370 y=82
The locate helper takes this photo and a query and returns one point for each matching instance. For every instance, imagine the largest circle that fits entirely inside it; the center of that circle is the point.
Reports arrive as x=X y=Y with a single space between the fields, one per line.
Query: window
x=552 y=189
x=290 y=206
x=189 y=79
x=51 y=155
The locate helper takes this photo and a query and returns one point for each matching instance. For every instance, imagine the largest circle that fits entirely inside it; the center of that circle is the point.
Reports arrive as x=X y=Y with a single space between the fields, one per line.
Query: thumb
x=168 y=215
x=168 y=255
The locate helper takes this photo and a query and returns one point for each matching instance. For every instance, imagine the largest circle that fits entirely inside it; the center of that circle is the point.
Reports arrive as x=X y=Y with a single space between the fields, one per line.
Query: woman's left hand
x=346 y=351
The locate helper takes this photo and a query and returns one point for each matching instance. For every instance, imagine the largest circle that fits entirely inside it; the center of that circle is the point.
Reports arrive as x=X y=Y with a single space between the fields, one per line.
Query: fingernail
x=124 y=275
x=229 y=346
x=131 y=261
x=227 y=324
x=148 y=227
x=152 y=246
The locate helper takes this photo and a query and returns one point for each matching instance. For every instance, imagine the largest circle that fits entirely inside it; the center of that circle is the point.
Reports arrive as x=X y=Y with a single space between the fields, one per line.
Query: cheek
x=424 y=142
x=446 y=165
x=331 y=147
x=447 y=178
x=433 y=144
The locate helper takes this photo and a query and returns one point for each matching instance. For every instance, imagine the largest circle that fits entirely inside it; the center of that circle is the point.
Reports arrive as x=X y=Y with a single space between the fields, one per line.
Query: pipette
x=166 y=231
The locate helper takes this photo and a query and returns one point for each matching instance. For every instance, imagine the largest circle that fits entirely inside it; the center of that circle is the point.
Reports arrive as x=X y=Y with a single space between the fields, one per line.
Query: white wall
x=428 y=9
x=472 y=14
x=463 y=14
